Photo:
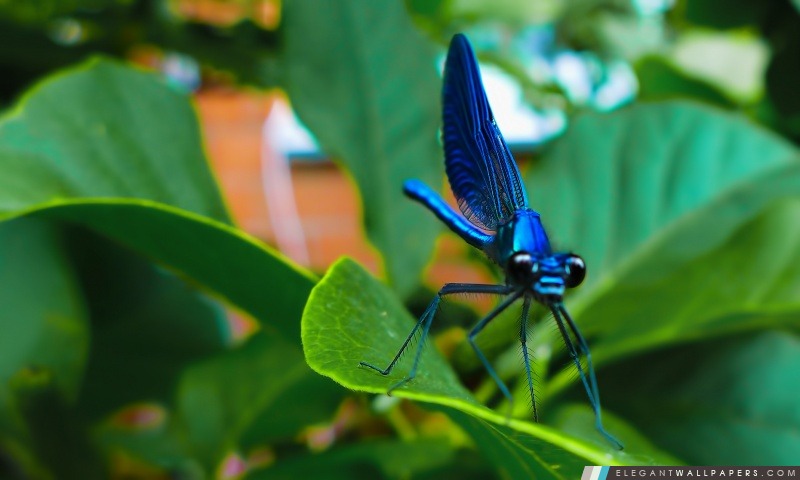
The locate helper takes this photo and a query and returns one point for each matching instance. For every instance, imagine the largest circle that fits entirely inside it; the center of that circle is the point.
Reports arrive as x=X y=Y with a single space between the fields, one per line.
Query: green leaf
x=116 y=150
x=105 y=130
x=364 y=81
x=756 y=266
x=351 y=318
x=730 y=402
x=220 y=400
x=68 y=454
x=656 y=199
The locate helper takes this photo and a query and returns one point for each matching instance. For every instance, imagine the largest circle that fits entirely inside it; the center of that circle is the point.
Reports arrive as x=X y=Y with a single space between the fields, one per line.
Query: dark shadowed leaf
x=729 y=402
x=45 y=409
x=45 y=335
x=147 y=326
x=378 y=459
x=661 y=80
x=661 y=201
x=220 y=400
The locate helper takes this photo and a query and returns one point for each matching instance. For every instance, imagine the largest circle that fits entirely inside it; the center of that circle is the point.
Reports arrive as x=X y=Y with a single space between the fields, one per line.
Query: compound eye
x=520 y=266
x=576 y=271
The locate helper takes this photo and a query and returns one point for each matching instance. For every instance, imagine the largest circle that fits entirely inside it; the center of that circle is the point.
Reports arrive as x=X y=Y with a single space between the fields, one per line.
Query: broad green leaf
x=364 y=81
x=368 y=324
x=617 y=183
x=730 y=402
x=655 y=198
x=220 y=400
x=105 y=130
x=116 y=150
x=351 y=318
x=376 y=459
x=756 y=265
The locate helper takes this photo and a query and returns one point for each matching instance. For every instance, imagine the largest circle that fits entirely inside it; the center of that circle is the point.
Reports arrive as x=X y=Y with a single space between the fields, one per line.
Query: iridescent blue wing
x=483 y=175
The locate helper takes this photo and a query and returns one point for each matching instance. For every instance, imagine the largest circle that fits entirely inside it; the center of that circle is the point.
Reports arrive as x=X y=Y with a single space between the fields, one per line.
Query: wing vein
x=483 y=175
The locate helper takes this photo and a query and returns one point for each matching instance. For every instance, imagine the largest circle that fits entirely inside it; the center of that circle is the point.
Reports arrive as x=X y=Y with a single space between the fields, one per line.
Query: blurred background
x=298 y=131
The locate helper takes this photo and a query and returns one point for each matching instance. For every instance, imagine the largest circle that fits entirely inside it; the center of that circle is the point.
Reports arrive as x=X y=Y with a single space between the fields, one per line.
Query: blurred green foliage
x=351 y=51
x=120 y=266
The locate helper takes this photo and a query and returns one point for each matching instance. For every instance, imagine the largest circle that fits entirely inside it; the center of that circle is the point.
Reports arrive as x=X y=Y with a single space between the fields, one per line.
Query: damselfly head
x=548 y=276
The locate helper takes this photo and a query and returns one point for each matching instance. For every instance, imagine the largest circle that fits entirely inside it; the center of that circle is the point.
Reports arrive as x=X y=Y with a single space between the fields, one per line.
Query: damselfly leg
x=523 y=338
x=477 y=329
x=589 y=382
x=425 y=322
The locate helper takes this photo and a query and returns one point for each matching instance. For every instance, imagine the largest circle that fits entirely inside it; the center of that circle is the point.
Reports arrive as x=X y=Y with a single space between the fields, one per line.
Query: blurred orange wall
x=327 y=203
